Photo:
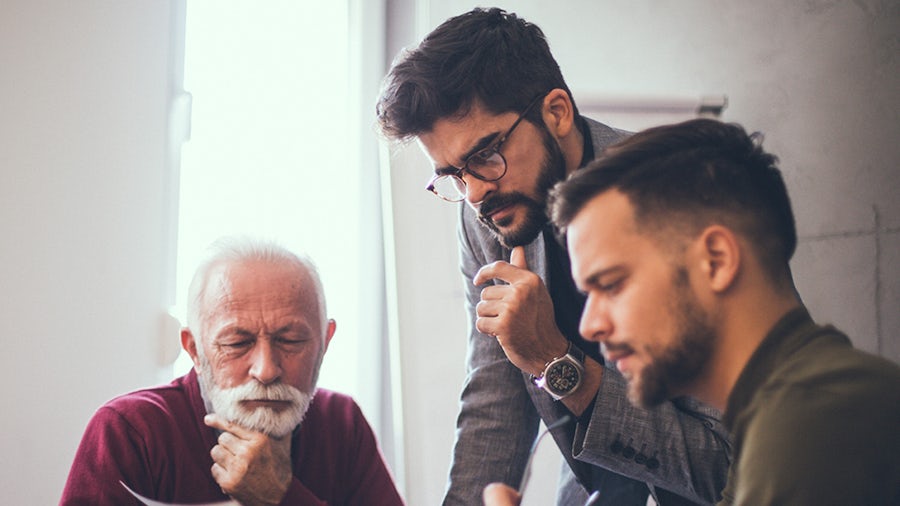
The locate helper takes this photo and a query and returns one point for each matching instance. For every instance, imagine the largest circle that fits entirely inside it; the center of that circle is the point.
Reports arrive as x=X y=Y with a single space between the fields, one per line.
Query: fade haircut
x=237 y=250
x=682 y=178
x=485 y=56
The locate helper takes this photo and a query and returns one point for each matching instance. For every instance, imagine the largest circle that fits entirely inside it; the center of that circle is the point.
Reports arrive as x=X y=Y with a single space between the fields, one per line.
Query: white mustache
x=254 y=390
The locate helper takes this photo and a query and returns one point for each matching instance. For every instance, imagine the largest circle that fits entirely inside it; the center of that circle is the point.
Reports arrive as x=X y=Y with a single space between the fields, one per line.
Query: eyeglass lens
x=487 y=166
x=450 y=188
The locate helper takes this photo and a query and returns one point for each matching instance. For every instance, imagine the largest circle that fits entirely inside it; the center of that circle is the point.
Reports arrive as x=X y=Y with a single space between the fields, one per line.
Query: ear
x=720 y=255
x=189 y=344
x=559 y=115
x=329 y=333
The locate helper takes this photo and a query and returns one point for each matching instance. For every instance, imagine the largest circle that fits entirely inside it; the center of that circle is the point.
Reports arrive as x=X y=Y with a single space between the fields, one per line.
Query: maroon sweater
x=155 y=441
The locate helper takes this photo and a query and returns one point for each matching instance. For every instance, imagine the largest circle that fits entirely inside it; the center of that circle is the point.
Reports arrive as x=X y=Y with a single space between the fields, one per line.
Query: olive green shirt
x=814 y=421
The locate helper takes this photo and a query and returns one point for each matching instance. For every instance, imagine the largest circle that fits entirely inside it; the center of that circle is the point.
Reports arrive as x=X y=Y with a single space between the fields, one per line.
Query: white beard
x=276 y=423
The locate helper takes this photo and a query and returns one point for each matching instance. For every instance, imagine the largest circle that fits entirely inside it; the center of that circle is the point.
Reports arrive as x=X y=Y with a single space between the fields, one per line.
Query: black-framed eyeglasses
x=487 y=164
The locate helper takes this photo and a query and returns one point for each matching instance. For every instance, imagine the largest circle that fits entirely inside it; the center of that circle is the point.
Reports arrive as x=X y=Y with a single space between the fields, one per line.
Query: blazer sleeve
x=497 y=421
x=680 y=446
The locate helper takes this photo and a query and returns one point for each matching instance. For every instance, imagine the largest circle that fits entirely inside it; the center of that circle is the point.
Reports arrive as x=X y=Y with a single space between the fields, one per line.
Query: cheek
x=633 y=313
x=229 y=373
x=642 y=319
x=299 y=368
x=523 y=172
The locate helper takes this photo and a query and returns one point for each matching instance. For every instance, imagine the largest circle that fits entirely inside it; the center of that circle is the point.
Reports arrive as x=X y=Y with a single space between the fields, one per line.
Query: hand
x=251 y=467
x=500 y=494
x=519 y=314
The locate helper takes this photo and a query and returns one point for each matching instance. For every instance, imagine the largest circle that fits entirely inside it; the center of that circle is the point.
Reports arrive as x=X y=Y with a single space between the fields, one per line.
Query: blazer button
x=652 y=463
x=616 y=447
x=628 y=452
x=640 y=458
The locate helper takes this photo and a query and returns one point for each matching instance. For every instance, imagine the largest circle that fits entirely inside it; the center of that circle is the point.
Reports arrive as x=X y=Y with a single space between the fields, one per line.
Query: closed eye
x=483 y=156
x=611 y=288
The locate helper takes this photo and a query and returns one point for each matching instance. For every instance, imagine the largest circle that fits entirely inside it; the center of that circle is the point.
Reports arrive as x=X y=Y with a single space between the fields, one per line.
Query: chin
x=646 y=390
x=520 y=236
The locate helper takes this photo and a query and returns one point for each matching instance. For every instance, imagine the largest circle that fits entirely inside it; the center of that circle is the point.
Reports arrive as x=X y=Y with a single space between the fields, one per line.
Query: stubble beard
x=553 y=170
x=677 y=367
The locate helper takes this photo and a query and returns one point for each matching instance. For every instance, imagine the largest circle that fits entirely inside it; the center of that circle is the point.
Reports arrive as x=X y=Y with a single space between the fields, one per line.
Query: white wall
x=820 y=78
x=83 y=210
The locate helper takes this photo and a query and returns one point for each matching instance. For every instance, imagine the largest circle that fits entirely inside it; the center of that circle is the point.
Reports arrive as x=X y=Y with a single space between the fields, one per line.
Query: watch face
x=563 y=377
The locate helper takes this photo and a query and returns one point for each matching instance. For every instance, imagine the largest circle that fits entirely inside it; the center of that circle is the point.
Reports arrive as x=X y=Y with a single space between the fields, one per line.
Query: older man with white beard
x=247 y=423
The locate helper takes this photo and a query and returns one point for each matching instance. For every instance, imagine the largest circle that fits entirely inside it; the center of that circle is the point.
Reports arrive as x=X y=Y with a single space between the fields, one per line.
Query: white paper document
x=151 y=502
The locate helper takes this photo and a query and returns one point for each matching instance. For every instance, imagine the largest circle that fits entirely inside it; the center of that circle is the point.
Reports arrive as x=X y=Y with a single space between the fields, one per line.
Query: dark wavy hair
x=687 y=176
x=486 y=55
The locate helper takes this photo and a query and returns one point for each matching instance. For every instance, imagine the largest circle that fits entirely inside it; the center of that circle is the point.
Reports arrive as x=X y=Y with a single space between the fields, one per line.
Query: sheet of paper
x=151 y=502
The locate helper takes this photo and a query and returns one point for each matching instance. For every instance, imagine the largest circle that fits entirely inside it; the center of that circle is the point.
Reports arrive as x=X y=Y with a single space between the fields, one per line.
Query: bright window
x=269 y=153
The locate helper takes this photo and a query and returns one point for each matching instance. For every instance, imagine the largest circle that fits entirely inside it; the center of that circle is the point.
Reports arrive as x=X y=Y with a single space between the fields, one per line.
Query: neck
x=572 y=147
x=743 y=323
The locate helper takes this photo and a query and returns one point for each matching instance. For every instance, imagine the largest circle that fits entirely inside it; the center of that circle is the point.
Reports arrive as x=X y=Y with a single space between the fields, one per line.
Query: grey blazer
x=677 y=449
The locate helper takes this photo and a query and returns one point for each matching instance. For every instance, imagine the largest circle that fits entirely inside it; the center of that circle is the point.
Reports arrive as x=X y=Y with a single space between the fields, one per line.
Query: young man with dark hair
x=681 y=237
x=487 y=103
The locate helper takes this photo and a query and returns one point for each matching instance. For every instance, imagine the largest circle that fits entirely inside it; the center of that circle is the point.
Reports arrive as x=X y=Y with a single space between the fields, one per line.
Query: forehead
x=452 y=138
x=259 y=285
x=603 y=235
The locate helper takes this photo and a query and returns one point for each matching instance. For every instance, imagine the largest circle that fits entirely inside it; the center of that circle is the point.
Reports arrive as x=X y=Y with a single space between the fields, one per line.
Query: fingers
x=495 y=292
x=498 y=494
x=217 y=422
x=228 y=443
x=496 y=270
x=252 y=470
x=220 y=475
x=490 y=309
x=486 y=326
x=517 y=257
x=509 y=272
x=225 y=464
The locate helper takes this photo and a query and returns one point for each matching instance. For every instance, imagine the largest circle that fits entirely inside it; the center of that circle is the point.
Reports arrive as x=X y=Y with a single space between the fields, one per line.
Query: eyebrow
x=479 y=145
x=594 y=279
x=231 y=329
x=236 y=328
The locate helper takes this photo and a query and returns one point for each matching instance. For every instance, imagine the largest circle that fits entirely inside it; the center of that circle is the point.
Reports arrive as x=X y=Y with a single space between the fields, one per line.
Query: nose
x=595 y=323
x=478 y=190
x=266 y=363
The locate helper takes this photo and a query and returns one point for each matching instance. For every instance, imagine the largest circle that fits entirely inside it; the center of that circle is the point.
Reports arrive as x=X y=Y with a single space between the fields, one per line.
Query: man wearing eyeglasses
x=487 y=103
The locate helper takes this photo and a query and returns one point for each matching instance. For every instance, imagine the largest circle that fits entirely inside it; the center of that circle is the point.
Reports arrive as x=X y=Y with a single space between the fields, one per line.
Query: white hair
x=236 y=250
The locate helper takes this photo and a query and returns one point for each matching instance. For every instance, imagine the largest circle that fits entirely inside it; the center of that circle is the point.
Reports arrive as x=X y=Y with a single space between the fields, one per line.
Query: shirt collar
x=784 y=337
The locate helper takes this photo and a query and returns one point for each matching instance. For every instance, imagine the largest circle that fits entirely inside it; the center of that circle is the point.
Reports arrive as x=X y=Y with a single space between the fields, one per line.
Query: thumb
x=517 y=257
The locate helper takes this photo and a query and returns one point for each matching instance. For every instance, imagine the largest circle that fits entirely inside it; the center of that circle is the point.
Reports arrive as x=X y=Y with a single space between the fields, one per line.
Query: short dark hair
x=485 y=55
x=688 y=176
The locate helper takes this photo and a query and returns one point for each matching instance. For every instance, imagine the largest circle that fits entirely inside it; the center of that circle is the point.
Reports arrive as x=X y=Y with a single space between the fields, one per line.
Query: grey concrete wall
x=821 y=79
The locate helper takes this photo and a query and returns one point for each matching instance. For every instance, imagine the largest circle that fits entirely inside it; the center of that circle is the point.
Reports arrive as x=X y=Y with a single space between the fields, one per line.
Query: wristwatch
x=562 y=375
